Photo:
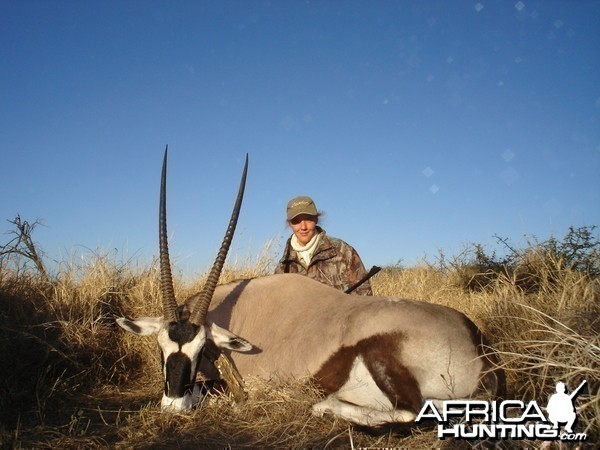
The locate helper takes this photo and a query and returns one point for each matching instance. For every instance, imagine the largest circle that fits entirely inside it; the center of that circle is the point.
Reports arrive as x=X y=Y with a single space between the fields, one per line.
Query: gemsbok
x=376 y=359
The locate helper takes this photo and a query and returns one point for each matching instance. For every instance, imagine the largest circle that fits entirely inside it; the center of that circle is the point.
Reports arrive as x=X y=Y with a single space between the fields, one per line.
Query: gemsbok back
x=376 y=359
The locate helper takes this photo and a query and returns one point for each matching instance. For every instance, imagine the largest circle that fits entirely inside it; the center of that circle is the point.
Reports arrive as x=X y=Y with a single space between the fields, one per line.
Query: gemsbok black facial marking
x=178 y=368
x=182 y=332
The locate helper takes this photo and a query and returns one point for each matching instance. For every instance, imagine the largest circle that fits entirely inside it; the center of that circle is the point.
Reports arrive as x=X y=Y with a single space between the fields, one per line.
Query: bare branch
x=22 y=244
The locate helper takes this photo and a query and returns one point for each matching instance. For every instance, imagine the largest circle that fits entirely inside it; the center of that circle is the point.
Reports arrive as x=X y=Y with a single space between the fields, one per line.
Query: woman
x=310 y=252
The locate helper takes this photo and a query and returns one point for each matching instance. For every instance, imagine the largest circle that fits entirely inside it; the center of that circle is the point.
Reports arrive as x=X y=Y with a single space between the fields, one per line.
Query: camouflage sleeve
x=280 y=268
x=355 y=271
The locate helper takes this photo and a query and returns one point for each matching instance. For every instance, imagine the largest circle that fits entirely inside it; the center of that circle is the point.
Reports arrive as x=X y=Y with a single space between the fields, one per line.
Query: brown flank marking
x=379 y=355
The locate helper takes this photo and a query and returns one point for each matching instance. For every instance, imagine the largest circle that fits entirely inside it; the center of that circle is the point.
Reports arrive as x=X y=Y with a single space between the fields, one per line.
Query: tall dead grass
x=72 y=379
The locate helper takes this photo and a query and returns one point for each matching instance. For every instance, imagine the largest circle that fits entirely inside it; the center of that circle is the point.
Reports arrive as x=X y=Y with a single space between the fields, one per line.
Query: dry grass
x=77 y=381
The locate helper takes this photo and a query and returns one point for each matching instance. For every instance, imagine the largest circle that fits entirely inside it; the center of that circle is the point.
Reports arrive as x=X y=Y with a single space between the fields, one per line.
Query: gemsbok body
x=376 y=359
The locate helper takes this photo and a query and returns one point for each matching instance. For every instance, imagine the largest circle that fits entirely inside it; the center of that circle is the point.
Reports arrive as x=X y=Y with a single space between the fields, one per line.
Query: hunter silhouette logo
x=560 y=406
x=508 y=419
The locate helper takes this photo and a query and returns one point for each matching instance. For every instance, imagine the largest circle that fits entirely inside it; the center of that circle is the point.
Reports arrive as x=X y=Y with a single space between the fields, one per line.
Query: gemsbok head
x=182 y=335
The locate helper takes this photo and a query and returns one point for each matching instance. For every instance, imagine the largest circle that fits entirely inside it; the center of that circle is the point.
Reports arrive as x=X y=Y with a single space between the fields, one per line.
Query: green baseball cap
x=301 y=205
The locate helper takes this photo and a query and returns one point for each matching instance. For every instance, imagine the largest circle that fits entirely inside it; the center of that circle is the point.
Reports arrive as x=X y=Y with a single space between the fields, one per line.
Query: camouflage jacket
x=334 y=263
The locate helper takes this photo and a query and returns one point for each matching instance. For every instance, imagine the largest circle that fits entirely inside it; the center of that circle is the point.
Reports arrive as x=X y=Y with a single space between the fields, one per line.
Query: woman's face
x=304 y=227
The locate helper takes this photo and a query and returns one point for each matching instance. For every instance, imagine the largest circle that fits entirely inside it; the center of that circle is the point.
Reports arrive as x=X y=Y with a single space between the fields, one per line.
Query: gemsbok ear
x=144 y=326
x=226 y=339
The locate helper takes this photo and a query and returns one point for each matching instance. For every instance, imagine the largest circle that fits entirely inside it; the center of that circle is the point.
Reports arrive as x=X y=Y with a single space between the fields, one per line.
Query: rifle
x=575 y=393
x=372 y=272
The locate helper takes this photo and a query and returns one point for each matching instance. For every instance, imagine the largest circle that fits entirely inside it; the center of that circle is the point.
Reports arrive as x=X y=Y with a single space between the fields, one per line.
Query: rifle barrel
x=576 y=391
x=372 y=272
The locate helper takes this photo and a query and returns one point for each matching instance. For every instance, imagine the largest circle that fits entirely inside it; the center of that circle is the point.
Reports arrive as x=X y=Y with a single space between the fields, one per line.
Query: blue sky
x=415 y=125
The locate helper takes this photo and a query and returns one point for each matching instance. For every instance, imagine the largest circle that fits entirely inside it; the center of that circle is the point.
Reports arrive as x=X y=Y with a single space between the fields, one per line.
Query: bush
x=539 y=265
